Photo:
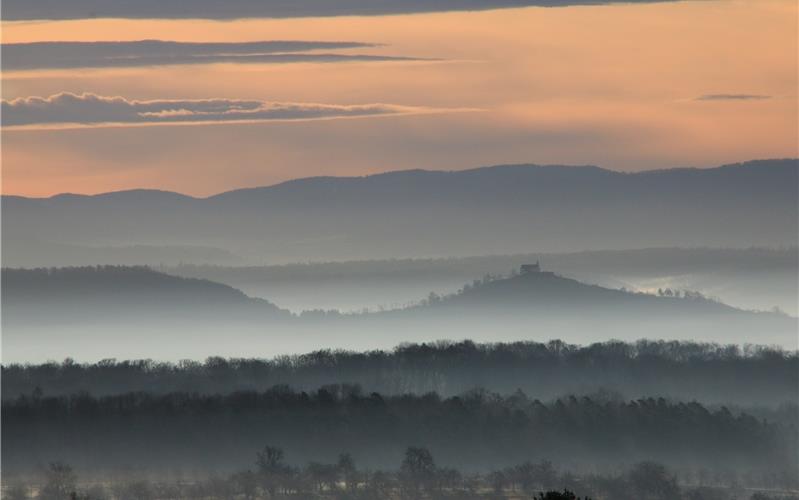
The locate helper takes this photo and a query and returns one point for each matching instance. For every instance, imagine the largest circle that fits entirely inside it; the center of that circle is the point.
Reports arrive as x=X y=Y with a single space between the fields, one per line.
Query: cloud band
x=16 y=10
x=92 y=109
x=732 y=97
x=65 y=55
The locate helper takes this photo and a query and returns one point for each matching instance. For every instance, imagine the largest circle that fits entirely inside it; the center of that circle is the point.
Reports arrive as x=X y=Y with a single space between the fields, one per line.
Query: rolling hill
x=99 y=312
x=118 y=288
x=545 y=305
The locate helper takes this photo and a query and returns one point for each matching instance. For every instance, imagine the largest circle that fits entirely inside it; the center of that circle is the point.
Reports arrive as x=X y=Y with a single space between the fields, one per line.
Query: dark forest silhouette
x=475 y=430
x=685 y=370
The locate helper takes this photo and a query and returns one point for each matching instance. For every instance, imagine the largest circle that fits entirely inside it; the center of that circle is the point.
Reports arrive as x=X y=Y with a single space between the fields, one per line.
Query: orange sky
x=615 y=86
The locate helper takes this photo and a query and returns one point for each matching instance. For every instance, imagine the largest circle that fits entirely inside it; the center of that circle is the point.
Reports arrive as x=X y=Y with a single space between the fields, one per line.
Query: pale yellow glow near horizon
x=613 y=85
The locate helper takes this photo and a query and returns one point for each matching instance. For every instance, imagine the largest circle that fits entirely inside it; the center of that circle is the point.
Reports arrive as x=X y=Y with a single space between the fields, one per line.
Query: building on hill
x=531 y=268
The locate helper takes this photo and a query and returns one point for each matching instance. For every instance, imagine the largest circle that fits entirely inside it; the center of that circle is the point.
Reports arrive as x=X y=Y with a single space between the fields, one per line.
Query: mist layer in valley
x=752 y=278
x=93 y=313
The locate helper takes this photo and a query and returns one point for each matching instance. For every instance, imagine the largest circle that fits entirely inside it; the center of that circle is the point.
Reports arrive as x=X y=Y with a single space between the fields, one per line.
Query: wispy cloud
x=732 y=97
x=93 y=110
x=64 y=55
x=16 y=10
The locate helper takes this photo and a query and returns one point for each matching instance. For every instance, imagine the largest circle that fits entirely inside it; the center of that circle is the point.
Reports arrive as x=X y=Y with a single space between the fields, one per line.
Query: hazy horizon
x=388 y=172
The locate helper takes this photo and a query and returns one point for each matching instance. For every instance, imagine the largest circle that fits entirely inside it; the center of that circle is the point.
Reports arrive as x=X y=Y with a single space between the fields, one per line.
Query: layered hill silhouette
x=59 y=311
x=546 y=305
x=547 y=290
x=116 y=311
x=748 y=278
x=492 y=210
x=90 y=293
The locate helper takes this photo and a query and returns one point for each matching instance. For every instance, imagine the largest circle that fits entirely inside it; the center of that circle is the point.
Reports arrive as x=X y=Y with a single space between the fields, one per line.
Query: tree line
x=684 y=370
x=475 y=430
x=418 y=477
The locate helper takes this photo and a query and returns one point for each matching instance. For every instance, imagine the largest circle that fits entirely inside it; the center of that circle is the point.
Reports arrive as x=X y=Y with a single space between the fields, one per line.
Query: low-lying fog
x=752 y=279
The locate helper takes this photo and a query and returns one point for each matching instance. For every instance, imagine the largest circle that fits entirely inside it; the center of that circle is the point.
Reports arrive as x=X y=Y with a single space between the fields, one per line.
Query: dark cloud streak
x=92 y=109
x=732 y=97
x=18 y=10
x=66 y=55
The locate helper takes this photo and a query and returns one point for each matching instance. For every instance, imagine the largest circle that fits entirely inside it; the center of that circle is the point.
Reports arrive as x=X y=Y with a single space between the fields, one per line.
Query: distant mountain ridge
x=786 y=163
x=420 y=213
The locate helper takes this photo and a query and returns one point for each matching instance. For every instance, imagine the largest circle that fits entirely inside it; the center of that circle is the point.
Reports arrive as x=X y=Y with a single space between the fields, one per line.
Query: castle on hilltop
x=531 y=268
